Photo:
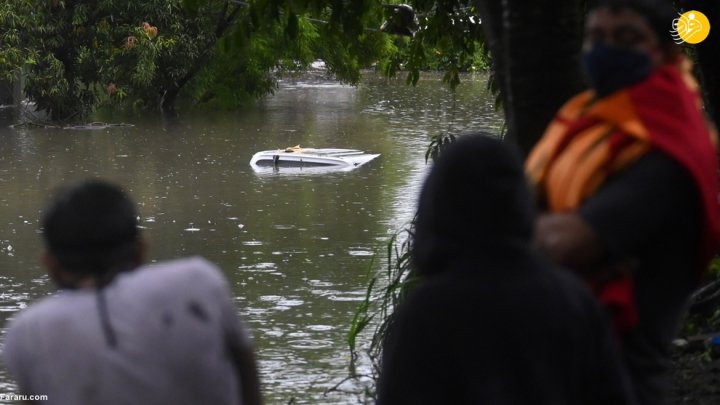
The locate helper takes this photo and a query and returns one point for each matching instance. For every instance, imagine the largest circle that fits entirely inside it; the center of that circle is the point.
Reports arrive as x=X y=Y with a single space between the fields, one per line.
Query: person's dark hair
x=475 y=201
x=91 y=229
x=658 y=13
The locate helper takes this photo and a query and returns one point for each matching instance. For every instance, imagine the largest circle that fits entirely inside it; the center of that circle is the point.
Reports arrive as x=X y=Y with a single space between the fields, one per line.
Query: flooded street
x=296 y=248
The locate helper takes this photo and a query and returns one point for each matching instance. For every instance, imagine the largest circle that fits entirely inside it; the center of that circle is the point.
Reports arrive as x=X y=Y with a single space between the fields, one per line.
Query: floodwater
x=296 y=248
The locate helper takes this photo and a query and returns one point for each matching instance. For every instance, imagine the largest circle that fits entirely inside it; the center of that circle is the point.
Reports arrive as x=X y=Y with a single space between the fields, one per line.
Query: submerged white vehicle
x=297 y=159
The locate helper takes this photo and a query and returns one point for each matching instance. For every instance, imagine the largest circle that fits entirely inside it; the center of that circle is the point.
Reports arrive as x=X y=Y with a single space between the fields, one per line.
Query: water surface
x=296 y=249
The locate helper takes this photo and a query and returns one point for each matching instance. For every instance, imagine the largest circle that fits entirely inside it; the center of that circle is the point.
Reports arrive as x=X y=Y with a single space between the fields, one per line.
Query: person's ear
x=142 y=251
x=57 y=275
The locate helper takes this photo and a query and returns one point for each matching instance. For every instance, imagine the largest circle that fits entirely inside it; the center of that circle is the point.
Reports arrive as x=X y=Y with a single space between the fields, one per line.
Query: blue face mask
x=611 y=68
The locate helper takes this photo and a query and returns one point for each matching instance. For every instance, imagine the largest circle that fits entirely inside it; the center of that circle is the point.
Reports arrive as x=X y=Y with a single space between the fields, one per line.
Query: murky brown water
x=296 y=248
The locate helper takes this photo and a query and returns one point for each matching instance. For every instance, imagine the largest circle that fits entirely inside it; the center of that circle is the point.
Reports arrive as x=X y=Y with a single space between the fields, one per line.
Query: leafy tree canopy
x=79 y=54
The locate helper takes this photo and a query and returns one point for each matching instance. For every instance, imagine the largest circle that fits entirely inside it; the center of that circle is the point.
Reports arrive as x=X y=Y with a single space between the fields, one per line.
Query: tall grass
x=378 y=305
x=385 y=290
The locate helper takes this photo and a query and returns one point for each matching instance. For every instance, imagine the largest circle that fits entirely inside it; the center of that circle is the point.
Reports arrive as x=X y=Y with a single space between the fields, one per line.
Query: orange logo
x=691 y=27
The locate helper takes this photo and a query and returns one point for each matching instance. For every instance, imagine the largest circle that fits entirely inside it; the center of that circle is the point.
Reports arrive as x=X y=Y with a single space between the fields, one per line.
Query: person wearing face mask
x=626 y=176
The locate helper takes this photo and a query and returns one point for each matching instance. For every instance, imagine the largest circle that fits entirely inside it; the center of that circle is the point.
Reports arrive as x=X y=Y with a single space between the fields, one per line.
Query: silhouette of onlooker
x=489 y=322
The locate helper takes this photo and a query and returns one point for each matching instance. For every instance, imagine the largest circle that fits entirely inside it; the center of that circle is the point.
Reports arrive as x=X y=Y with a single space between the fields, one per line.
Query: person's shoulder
x=190 y=267
x=52 y=306
x=540 y=282
x=44 y=315
x=192 y=271
x=440 y=293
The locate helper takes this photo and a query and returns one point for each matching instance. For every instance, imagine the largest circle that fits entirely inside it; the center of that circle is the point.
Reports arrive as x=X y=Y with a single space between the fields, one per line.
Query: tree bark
x=542 y=43
x=708 y=53
x=491 y=12
x=536 y=48
x=225 y=21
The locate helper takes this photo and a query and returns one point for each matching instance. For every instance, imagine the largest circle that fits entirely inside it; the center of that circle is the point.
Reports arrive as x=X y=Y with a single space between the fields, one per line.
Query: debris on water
x=99 y=125
x=88 y=126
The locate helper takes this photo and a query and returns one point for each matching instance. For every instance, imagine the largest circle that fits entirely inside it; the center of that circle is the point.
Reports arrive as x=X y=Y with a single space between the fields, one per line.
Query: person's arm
x=568 y=240
x=243 y=356
x=621 y=218
x=238 y=344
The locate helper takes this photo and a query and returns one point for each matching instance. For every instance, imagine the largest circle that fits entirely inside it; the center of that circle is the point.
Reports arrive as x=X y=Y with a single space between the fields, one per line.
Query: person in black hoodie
x=489 y=322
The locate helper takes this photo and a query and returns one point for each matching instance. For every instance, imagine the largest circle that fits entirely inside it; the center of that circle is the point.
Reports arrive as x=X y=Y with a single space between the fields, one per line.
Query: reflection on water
x=296 y=249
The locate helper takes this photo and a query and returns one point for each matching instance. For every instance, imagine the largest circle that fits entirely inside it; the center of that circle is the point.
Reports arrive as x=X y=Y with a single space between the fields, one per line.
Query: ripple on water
x=13 y=302
x=285 y=302
x=262 y=267
x=325 y=293
x=16 y=296
x=320 y=328
x=310 y=344
x=255 y=313
x=274 y=332
x=320 y=283
x=347 y=296
x=360 y=252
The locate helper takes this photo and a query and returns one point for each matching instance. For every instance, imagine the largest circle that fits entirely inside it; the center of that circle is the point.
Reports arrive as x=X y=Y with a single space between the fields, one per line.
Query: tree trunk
x=708 y=53
x=225 y=20
x=491 y=13
x=536 y=48
x=542 y=43
x=167 y=100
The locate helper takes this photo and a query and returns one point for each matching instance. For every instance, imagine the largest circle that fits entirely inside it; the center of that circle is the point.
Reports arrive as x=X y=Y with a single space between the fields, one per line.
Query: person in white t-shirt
x=118 y=332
